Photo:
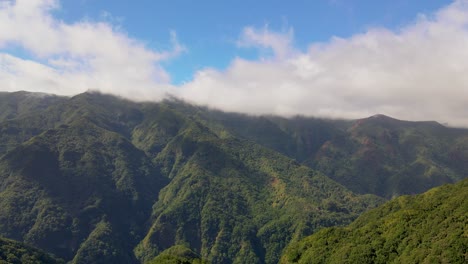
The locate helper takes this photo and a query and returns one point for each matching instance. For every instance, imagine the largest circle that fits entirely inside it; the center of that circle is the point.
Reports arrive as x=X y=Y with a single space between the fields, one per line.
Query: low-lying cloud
x=419 y=72
x=74 y=58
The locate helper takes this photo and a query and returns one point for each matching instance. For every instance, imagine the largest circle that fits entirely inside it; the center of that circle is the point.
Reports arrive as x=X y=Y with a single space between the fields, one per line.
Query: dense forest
x=18 y=253
x=426 y=228
x=98 y=179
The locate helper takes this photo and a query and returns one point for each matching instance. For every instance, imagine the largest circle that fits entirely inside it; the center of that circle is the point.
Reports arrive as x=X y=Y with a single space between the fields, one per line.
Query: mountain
x=16 y=104
x=178 y=255
x=235 y=201
x=98 y=179
x=75 y=188
x=378 y=155
x=13 y=252
x=425 y=228
x=389 y=157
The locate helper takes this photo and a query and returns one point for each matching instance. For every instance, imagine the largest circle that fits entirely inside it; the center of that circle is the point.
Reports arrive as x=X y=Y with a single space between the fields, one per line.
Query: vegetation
x=13 y=252
x=232 y=200
x=426 y=228
x=98 y=179
x=178 y=255
x=389 y=157
x=76 y=186
x=17 y=104
x=377 y=155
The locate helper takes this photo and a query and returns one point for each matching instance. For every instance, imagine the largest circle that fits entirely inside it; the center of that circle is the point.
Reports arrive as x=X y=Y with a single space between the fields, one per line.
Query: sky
x=329 y=58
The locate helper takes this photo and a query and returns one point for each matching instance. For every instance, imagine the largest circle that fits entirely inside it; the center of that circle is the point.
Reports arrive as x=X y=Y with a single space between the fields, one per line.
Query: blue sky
x=334 y=58
x=209 y=28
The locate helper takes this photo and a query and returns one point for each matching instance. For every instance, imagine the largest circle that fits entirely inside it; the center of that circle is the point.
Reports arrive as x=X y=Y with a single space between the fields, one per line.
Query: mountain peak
x=385 y=121
x=381 y=116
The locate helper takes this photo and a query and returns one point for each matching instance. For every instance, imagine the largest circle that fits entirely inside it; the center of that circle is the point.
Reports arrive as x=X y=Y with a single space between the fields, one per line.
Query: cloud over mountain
x=416 y=72
x=72 y=58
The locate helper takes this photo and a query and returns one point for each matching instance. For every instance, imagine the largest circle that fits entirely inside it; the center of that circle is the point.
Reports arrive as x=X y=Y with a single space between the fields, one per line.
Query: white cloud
x=72 y=58
x=419 y=72
x=279 y=43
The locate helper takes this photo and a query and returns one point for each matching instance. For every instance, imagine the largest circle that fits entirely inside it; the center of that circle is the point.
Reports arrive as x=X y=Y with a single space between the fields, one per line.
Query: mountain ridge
x=174 y=177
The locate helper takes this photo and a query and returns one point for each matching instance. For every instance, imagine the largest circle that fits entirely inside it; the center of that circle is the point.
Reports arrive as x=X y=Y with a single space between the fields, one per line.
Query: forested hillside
x=426 y=228
x=378 y=155
x=13 y=252
x=98 y=179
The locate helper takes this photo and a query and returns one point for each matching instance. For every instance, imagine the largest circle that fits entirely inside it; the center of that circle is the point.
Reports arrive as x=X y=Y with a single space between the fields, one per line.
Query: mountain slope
x=99 y=179
x=426 y=228
x=236 y=202
x=81 y=178
x=178 y=255
x=389 y=157
x=76 y=185
x=109 y=112
x=15 y=253
x=17 y=104
x=378 y=155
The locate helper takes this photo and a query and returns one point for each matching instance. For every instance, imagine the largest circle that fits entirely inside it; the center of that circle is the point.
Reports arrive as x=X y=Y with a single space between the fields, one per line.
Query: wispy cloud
x=280 y=44
x=72 y=58
x=416 y=72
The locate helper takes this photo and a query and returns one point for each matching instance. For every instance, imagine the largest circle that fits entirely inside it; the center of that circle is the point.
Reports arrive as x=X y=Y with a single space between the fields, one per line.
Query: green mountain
x=13 y=252
x=378 y=155
x=232 y=200
x=77 y=189
x=390 y=157
x=98 y=179
x=178 y=255
x=16 y=104
x=426 y=228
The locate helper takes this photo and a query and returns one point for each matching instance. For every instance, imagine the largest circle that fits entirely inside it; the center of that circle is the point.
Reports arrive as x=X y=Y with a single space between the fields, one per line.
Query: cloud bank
x=73 y=58
x=419 y=72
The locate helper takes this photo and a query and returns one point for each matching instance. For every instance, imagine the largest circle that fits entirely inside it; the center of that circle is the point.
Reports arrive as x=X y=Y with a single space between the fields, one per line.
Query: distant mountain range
x=98 y=179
